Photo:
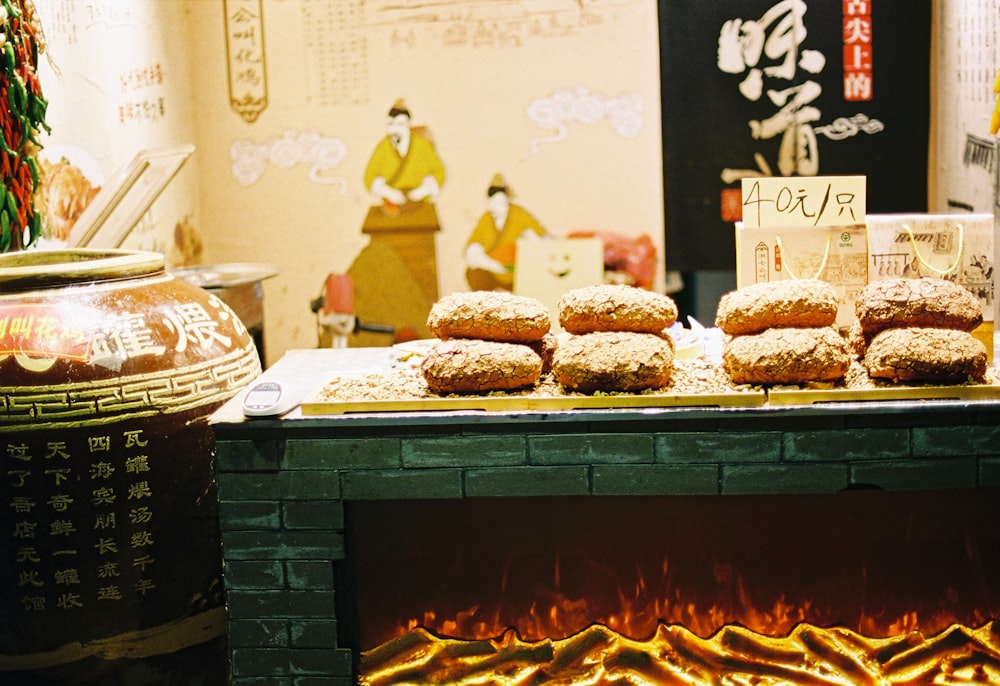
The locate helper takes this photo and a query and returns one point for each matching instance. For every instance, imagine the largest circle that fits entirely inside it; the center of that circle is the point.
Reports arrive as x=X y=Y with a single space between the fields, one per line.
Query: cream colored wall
x=474 y=102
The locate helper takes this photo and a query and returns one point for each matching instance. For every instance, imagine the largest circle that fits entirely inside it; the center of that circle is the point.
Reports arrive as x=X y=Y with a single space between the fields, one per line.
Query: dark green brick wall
x=283 y=492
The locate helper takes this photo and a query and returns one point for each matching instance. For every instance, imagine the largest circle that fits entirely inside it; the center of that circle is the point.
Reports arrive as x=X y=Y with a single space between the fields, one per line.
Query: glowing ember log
x=919 y=662
x=855 y=666
x=808 y=656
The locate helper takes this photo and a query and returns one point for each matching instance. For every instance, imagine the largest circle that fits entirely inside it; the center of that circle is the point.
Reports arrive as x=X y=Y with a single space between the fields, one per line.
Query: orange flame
x=639 y=611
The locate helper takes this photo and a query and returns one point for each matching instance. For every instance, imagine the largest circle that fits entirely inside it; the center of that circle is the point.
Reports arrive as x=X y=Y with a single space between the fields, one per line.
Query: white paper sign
x=800 y=201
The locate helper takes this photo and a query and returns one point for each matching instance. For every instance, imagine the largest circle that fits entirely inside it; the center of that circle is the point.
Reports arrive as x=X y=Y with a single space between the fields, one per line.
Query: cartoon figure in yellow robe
x=404 y=167
x=490 y=252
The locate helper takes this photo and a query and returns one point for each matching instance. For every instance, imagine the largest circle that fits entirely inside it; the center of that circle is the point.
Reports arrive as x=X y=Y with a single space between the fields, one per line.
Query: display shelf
x=317 y=406
x=835 y=395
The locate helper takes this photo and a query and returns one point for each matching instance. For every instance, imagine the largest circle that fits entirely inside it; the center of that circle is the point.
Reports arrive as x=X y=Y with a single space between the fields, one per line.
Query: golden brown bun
x=465 y=365
x=613 y=361
x=924 y=302
x=801 y=303
x=615 y=307
x=489 y=315
x=926 y=354
x=787 y=356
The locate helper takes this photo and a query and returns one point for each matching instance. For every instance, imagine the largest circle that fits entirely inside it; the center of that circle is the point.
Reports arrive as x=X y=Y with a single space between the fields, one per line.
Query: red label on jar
x=50 y=330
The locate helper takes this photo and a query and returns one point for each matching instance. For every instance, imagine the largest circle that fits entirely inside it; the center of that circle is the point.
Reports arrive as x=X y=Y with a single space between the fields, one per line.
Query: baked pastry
x=546 y=349
x=626 y=361
x=615 y=307
x=489 y=315
x=923 y=302
x=857 y=342
x=787 y=356
x=799 y=303
x=465 y=365
x=926 y=354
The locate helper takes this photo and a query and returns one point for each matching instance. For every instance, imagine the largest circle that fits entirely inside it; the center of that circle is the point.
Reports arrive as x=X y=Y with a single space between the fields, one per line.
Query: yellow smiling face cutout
x=548 y=267
x=560 y=264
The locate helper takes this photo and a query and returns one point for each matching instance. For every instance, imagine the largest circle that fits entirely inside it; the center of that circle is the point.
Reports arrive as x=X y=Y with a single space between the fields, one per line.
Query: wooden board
x=834 y=395
x=524 y=403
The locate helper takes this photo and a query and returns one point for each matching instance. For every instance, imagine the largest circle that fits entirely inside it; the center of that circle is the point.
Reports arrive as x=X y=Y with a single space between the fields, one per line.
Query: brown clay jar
x=109 y=370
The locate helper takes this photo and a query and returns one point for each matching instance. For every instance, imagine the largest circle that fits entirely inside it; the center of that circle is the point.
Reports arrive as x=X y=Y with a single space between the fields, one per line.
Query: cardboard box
x=837 y=255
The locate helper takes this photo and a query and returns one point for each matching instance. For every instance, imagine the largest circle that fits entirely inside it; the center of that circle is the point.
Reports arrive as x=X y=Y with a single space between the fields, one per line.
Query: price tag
x=804 y=201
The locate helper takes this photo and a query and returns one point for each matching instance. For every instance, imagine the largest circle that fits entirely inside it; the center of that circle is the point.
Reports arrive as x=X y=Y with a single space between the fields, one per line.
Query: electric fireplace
x=826 y=544
x=859 y=586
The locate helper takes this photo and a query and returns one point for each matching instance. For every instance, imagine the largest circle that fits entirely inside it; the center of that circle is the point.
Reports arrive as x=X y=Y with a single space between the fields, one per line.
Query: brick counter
x=283 y=484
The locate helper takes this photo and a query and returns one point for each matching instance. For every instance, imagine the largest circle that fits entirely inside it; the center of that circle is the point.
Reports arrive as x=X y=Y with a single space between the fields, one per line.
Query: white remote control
x=269 y=399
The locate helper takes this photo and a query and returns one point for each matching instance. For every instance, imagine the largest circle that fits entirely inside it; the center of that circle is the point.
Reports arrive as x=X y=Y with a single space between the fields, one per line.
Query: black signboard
x=788 y=88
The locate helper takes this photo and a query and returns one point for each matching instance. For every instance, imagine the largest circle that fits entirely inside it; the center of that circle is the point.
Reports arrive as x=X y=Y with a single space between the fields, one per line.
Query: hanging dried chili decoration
x=22 y=116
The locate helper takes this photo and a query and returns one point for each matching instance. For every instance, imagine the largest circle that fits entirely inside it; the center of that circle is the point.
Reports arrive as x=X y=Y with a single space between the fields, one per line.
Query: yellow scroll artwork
x=245 y=61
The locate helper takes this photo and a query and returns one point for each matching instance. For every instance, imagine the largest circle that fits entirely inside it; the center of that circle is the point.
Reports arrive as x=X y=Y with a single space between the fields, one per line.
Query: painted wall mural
x=560 y=98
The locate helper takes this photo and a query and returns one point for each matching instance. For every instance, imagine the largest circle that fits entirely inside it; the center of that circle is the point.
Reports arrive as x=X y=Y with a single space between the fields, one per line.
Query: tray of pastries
x=618 y=348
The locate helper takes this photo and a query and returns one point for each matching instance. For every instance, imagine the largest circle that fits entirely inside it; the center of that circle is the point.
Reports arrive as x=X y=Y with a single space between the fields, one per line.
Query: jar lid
x=46 y=268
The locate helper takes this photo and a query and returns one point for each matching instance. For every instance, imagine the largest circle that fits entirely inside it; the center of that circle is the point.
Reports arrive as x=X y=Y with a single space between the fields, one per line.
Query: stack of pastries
x=782 y=332
x=487 y=341
x=919 y=330
x=616 y=340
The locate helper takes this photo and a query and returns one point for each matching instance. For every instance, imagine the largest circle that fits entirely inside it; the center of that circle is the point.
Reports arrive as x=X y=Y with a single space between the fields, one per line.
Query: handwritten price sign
x=794 y=201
